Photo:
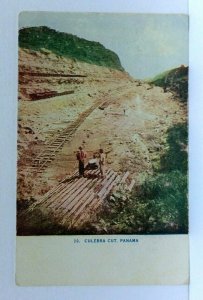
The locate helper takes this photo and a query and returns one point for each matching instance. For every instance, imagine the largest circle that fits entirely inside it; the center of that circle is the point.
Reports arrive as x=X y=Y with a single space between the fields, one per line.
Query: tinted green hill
x=175 y=80
x=68 y=45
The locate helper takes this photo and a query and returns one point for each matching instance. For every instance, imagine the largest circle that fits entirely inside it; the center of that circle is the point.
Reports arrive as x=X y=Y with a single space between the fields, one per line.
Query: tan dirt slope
x=131 y=129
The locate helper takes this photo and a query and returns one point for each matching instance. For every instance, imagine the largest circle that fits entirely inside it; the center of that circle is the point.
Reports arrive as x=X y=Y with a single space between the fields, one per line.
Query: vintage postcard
x=102 y=178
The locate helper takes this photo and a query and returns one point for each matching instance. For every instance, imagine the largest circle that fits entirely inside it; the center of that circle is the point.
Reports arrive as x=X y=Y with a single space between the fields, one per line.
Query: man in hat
x=81 y=160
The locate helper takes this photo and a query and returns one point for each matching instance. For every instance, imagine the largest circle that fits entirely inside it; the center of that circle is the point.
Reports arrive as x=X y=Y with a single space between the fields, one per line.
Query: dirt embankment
x=131 y=129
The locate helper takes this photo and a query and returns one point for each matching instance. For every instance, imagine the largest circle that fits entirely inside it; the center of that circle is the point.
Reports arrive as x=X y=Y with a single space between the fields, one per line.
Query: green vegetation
x=68 y=45
x=159 y=205
x=176 y=157
x=36 y=223
x=175 y=80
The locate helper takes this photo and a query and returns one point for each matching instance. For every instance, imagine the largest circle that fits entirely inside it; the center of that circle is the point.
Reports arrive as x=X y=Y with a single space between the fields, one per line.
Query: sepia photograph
x=102 y=124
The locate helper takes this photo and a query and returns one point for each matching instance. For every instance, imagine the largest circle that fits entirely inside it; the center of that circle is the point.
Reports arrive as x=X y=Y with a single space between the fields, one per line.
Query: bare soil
x=131 y=129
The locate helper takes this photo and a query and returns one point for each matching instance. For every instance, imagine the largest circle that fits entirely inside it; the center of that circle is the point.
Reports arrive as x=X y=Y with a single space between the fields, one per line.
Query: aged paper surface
x=149 y=260
x=94 y=86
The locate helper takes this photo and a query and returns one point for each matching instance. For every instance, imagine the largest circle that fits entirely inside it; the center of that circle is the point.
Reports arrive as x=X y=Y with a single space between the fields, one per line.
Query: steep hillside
x=68 y=45
x=73 y=86
x=175 y=80
x=131 y=128
x=43 y=74
x=66 y=102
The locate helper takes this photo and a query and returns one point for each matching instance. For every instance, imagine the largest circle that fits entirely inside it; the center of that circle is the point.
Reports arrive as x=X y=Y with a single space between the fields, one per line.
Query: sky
x=147 y=44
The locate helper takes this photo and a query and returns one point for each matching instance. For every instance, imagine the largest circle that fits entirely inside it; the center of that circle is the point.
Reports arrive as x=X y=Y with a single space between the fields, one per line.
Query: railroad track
x=44 y=158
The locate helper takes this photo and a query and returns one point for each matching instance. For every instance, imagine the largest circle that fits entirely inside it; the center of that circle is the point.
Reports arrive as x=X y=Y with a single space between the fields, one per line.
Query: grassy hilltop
x=68 y=45
x=175 y=80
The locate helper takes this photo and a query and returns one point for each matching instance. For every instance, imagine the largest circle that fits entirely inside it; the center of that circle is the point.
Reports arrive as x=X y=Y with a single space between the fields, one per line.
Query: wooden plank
x=86 y=194
x=46 y=196
x=67 y=200
x=76 y=173
x=66 y=214
x=125 y=177
x=75 y=196
x=91 y=201
x=104 y=180
x=109 y=188
x=96 y=204
x=81 y=183
x=82 y=196
x=71 y=207
x=70 y=187
x=91 y=196
x=131 y=185
x=53 y=191
x=113 y=175
x=56 y=189
x=80 y=212
x=101 y=183
x=59 y=193
x=90 y=209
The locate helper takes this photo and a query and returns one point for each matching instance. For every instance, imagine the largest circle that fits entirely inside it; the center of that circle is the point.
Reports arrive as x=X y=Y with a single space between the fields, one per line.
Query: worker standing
x=102 y=162
x=81 y=155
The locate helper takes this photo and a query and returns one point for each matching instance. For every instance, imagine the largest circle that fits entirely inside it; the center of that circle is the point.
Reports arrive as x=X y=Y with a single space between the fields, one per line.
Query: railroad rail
x=44 y=158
